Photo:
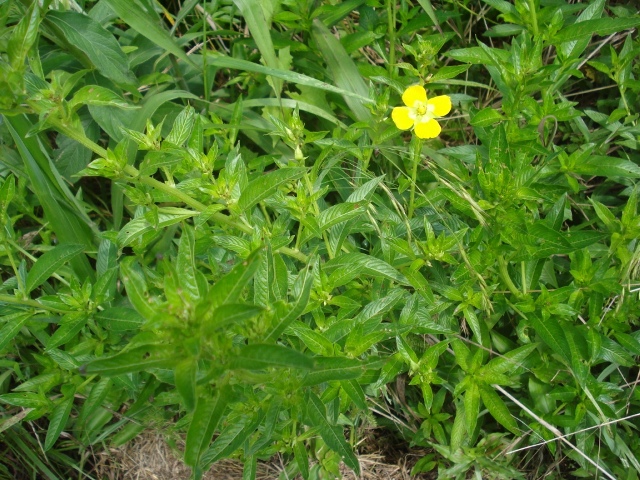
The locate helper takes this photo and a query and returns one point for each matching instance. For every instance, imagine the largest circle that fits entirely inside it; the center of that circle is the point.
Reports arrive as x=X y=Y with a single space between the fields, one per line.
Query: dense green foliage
x=210 y=225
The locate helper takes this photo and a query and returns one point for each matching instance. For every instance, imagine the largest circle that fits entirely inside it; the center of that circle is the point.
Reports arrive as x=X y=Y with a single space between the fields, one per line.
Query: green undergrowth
x=211 y=226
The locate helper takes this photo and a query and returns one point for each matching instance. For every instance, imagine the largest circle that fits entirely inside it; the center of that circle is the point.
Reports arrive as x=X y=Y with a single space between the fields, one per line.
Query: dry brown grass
x=149 y=457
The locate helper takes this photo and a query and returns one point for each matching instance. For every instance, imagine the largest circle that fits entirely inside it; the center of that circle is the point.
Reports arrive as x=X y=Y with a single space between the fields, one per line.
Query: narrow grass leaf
x=342 y=68
x=147 y=24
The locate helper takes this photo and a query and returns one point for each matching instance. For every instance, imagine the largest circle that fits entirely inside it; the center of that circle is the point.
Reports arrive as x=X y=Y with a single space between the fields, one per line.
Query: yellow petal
x=400 y=116
x=442 y=105
x=413 y=94
x=428 y=129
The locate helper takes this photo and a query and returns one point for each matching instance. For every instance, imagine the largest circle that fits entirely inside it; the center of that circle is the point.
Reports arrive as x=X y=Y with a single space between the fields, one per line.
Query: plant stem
x=31 y=303
x=391 y=30
x=417 y=148
x=504 y=274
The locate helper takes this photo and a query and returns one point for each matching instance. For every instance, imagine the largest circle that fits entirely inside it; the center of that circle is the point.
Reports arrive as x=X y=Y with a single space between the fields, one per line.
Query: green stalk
x=417 y=148
x=31 y=303
x=391 y=30
x=504 y=274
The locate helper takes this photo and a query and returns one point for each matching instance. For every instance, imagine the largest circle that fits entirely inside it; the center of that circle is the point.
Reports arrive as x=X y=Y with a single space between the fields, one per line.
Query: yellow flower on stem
x=420 y=112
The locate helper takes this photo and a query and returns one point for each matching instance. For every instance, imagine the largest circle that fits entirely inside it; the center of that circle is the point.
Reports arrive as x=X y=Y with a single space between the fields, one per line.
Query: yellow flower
x=421 y=113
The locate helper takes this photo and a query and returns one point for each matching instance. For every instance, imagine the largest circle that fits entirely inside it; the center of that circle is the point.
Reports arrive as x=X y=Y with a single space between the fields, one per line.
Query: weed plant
x=243 y=222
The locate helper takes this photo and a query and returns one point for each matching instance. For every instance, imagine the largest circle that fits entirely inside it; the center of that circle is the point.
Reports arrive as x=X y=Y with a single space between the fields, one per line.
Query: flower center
x=422 y=112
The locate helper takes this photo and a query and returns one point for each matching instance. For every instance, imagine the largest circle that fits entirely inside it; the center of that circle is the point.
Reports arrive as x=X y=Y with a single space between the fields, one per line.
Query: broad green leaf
x=355 y=392
x=231 y=438
x=599 y=26
x=331 y=434
x=613 y=352
x=139 y=226
x=185 y=262
x=344 y=268
x=552 y=334
x=24 y=400
x=119 y=319
x=49 y=263
x=604 y=166
x=339 y=213
x=448 y=72
x=302 y=458
x=98 y=96
x=266 y=185
x=428 y=8
x=94 y=45
x=255 y=357
x=229 y=288
x=57 y=421
x=314 y=340
x=185 y=378
x=486 y=117
x=471 y=406
x=23 y=36
x=342 y=68
x=511 y=360
x=574 y=48
x=326 y=369
x=498 y=409
x=250 y=467
x=137 y=359
x=95 y=400
x=365 y=191
x=229 y=313
x=135 y=286
x=280 y=323
x=147 y=24
x=11 y=328
x=69 y=327
x=207 y=415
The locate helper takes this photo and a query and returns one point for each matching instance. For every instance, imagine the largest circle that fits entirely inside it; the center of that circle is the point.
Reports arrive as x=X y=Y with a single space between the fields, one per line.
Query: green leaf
x=302 y=458
x=147 y=24
x=119 y=319
x=295 y=309
x=344 y=268
x=471 y=406
x=230 y=313
x=139 y=226
x=331 y=434
x=448 y=72
x=266 y=185
x=231 y=438
x=486 y=117
x=70 y=326
x=253 y=14
x=604 y=166
x=57 y=421
x=614 y=353
x=339 y=213
x=229 y=288
x=49 y=263
x=342 y=68
x=600 y=26
x=207 y=415
x=326 y=369
x=355 y=392
x=95 y=45
x=13 y=325
x=552 y=334
x=365 y=191
x=254 y=357
x=498 y=409
x=100 y=96
x=239 y=64
x=135 y=285
x=134 y=360
x=185 y=378
x=574 y=48
x=94 y=401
